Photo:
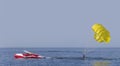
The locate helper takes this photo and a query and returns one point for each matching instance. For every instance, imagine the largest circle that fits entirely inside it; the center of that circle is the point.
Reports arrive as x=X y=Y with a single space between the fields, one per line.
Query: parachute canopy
x=101 y=34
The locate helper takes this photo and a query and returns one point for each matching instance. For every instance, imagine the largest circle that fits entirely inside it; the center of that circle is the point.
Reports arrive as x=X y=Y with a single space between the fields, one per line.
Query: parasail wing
x=101 y=34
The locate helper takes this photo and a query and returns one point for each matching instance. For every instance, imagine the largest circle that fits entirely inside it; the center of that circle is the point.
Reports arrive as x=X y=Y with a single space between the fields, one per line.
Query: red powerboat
x=27 y=54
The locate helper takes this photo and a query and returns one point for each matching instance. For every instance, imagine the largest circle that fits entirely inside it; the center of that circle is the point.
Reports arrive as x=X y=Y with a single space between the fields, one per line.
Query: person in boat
x=30 y=54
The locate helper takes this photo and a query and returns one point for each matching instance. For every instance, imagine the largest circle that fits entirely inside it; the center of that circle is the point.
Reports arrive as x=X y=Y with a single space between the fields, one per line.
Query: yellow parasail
x=101 y=34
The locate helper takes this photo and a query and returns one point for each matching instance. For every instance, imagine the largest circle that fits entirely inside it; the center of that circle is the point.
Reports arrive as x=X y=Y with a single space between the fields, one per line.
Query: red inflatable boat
x=27 y=54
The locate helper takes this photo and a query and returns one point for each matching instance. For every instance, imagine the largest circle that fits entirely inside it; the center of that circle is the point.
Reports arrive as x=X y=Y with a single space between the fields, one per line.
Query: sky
x=57 y=23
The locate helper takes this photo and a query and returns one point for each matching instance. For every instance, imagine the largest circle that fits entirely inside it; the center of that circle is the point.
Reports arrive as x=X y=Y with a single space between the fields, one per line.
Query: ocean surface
x=62 y=57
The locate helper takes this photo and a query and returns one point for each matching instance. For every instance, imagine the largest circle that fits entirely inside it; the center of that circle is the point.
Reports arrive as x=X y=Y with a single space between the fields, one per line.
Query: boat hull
x=20 y=55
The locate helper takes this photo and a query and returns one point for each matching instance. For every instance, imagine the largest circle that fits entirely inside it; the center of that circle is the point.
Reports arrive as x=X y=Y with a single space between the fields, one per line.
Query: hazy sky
x=57 y=23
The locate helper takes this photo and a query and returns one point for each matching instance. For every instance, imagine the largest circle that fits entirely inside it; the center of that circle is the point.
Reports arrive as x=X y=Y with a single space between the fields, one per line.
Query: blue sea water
x=62 y=57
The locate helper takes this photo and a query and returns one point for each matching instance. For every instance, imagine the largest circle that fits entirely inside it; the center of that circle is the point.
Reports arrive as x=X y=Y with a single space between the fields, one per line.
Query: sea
x=62 y=57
